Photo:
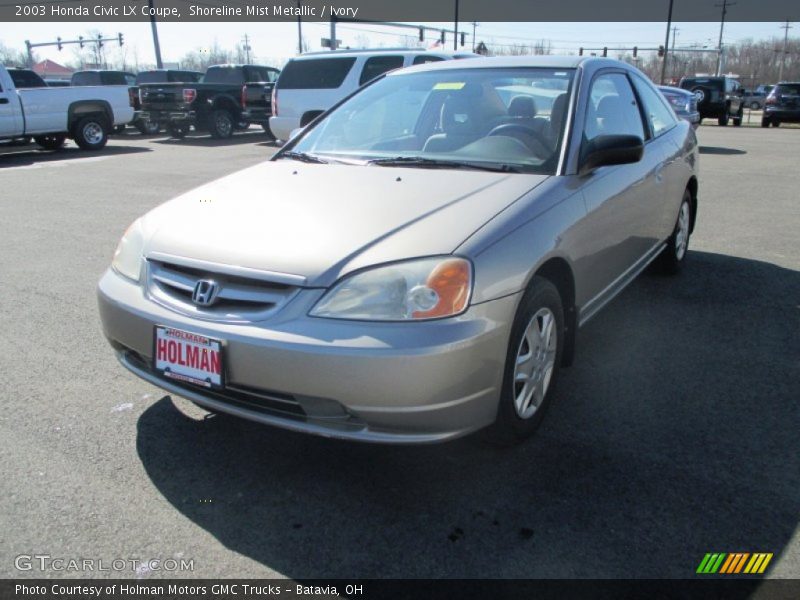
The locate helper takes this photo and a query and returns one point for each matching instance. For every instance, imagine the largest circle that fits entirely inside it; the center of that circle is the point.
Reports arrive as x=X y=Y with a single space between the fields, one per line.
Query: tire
x=776 y=123
x=723 y=120
x=221 y=125
x=148 y=127
x=754 y=106
x=737 y=120
x=91 y=133
x=177 y=131
x=673 y=257
x=268 y=131
x=540 y=317
x=765 y=122
x=50 y=142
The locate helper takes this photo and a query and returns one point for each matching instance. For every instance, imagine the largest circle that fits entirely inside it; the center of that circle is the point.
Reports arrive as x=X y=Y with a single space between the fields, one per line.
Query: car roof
x=381 y=52
x=499 y=62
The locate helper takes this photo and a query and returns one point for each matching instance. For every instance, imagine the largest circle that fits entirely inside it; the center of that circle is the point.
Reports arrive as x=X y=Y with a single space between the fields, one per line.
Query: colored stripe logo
x=733 y=563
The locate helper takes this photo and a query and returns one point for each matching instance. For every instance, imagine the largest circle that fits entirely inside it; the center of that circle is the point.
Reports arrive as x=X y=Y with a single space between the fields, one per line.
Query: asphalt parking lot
x=674 y=434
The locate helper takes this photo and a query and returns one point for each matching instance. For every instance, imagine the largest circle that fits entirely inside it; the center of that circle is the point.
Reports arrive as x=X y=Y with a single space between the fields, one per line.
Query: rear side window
x=184 y=76
x=113 y=79
x=315 y=74
x=378 y=65
x=151 y=77
x=260 y=74
x=788 y=90
x=655 y=110
x=231 y=75
x=26 y=79
x=426 y=58
x=86 y=79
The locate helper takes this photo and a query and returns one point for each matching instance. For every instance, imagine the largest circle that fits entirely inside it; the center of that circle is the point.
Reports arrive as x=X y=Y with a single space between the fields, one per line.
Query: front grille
x=239 y=299
x=244 y=397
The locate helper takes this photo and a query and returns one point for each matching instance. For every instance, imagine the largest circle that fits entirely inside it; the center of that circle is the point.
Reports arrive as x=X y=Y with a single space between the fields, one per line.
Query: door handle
x=3 y=100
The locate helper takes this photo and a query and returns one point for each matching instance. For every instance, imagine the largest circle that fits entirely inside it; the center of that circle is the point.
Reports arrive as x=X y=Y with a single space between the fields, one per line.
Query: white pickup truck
x=52 y=114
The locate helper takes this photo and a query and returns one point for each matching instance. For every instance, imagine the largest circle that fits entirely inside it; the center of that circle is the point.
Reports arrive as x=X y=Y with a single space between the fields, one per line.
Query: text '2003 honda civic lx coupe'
x=413 y=265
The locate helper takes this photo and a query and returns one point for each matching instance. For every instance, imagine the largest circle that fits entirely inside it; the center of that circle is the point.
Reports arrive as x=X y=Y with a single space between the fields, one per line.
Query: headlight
x=426 y=288
x=127 y=259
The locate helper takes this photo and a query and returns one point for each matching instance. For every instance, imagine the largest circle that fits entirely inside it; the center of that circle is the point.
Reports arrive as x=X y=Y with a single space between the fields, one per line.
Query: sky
x=274 y=43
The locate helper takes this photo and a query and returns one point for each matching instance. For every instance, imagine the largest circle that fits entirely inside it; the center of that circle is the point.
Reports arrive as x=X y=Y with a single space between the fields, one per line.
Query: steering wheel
x=515 y=129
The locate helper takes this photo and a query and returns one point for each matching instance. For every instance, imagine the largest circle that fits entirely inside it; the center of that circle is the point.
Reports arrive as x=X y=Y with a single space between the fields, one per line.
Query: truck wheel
x=148 y=127
x=765 y=122
x=737 y=120
x=754 y=106
x=50 y=142
x=177 y=131
x=221 y=124
x=723 y=120
x=776 y=123
x=91 y=133
x=268 y=131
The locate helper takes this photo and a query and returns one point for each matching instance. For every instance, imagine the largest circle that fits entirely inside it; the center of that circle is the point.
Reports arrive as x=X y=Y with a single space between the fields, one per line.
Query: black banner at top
x=394 y=10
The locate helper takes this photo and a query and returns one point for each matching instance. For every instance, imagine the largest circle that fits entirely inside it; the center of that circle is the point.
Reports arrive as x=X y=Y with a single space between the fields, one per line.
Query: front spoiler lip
x=328 y=429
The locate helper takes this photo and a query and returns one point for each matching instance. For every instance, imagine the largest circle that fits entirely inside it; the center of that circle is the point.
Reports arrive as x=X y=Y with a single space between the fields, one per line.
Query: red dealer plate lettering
x=188 y=357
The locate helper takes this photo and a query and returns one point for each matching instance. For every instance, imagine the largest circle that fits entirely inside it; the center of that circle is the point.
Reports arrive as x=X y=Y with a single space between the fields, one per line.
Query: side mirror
x=607 y=150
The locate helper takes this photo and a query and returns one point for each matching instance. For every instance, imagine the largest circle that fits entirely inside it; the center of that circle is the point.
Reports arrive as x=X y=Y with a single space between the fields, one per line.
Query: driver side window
x=612 y=108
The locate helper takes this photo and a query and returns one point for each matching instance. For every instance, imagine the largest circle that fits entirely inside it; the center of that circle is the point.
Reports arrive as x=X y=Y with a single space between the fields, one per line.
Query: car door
x=620 y=200
x=10 y=117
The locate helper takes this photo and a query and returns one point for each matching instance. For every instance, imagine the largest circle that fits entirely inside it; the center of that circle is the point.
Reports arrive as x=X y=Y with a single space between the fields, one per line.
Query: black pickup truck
x=228 y=98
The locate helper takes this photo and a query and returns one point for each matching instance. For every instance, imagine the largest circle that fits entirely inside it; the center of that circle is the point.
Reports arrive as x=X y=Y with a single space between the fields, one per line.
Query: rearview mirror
x=607 y=150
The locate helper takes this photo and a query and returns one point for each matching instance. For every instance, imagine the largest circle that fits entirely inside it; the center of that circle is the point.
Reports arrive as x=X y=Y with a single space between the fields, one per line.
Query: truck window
x=260 y=74
x=113 y=78
x=151 y=77
x=184 y=76
x=378 y=65
x=229 y=75
x=23 y=78
x=315 y=74
x=426 y=58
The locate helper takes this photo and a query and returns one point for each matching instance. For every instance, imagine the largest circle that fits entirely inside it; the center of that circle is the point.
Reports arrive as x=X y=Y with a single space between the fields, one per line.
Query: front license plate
x=188 y=357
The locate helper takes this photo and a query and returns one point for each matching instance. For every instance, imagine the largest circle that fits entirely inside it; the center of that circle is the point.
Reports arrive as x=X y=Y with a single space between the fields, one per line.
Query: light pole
x=156 y=45
x=666 y=43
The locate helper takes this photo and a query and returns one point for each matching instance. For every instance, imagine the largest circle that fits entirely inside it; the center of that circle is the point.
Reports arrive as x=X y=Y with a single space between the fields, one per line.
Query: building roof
x=50 y=68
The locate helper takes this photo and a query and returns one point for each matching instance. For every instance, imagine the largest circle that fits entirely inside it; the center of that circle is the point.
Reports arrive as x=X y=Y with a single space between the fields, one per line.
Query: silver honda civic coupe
x=413 y=265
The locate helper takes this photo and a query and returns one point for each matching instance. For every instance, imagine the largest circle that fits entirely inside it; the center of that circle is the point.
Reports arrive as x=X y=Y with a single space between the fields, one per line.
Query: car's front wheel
x=723 y=120
x=532 y=363
x=674 y=255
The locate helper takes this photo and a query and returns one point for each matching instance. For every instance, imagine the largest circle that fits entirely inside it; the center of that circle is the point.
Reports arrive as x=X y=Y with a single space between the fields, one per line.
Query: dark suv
x=782 y=105
x=720 y=98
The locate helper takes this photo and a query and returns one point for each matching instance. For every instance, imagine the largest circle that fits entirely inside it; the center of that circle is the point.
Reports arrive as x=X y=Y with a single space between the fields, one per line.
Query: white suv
x=312 y=83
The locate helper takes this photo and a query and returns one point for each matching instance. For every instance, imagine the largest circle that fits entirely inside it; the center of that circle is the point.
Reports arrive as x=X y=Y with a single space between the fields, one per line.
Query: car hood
x=321 y=221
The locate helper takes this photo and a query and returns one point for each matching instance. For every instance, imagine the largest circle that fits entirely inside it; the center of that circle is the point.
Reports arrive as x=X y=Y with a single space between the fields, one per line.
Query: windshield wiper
x=303 y=157
x=435 y=163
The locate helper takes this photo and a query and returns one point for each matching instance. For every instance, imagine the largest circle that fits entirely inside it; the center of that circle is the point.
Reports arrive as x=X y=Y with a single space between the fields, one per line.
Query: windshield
x=511 y=119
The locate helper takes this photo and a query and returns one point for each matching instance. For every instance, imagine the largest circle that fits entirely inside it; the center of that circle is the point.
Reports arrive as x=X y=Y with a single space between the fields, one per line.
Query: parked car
x=229 y=97
x=754 y=100
x=25 y=79
x=51 y=115
x=158 y=76
x=717 y=98
x=683 y=103
x=414 y=265
x=313 y=82
x=782 y=105
x=105 y=77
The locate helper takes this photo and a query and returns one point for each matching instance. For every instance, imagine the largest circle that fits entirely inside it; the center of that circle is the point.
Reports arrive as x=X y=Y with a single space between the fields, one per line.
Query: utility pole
x=299 y=29
x=247 y=48
x=725 y=4
x=156 y=45
x=455 y=29
x=675 y=30
x=786 y=27
x=666 y=43
x=333 y=33
x=474 y=26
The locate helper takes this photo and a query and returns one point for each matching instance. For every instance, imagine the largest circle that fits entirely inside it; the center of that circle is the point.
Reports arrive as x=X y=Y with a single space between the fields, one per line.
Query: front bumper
x=376 y=382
